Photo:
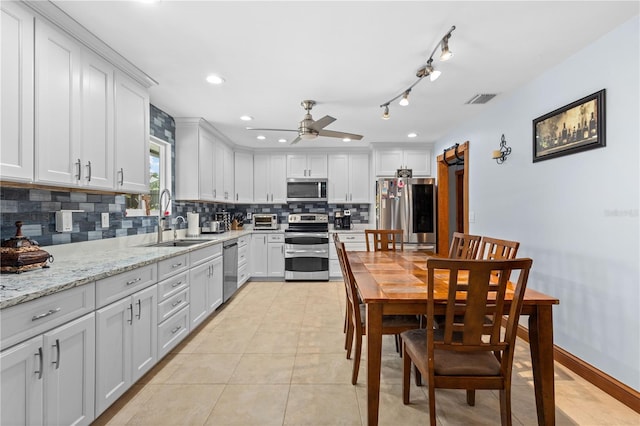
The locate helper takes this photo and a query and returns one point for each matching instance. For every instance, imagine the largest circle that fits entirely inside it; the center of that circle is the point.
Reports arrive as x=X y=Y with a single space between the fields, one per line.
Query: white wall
x=577 y=215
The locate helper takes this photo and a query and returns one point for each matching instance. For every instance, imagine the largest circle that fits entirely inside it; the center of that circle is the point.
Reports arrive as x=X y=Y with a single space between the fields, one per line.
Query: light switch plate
x=105 y=220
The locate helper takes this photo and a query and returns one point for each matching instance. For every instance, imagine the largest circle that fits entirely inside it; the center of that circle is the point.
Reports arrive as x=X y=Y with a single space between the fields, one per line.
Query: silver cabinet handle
x=134 y=281
x=139 y=309
x=121 y=176
x=89 y=171
x=214 y=193
x=79 y=165
x=39 y=372
x=57 y=361
x=176 y=284
x=46 y=314
x=350 y=238
x=131 y=312
x=175 y=330
x=175 y=265
x=176 y=303
x=236 y=196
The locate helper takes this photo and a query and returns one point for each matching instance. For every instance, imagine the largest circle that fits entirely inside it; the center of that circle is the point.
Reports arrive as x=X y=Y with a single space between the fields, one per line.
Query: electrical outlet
x=105 y=220
x=249 y=216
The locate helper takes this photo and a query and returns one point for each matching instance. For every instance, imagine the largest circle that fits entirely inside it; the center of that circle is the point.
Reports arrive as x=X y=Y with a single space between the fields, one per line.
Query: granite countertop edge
x=82 y=267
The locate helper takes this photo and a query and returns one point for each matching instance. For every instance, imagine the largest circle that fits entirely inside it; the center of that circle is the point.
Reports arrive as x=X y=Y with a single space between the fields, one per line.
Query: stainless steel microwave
x=306 y=189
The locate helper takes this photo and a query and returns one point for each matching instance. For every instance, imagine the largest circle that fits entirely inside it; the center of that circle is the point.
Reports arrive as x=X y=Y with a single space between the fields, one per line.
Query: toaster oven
x=265 y=221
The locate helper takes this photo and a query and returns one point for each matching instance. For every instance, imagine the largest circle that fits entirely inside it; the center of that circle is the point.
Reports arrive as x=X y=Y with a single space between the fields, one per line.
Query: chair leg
x=471 y=397
x=348 y=339
x=432 y=405
x=418 y=376
x=505 y=407
x=397 y=337
x=356 y=359
x=406 y=376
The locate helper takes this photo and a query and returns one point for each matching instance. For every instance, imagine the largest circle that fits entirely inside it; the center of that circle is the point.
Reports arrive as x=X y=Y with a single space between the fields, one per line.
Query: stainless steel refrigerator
x=408 y=204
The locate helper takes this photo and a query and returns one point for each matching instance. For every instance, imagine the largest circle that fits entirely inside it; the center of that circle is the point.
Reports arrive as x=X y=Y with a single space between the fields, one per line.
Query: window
x=159 y=179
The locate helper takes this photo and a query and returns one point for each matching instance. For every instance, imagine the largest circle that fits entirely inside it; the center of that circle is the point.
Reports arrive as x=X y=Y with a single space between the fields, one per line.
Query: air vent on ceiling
x=482 y=98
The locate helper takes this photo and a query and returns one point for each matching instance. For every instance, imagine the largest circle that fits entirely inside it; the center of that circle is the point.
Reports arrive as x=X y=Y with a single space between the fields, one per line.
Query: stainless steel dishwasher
x=229 y=268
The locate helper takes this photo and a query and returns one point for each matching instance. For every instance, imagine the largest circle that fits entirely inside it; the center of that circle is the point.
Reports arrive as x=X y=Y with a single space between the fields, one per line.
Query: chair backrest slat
x=464 y=246
x=384 y=239
x=495 y=249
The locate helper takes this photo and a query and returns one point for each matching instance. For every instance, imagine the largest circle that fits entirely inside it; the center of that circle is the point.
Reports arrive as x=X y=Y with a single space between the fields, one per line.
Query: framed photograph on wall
x=576 y=127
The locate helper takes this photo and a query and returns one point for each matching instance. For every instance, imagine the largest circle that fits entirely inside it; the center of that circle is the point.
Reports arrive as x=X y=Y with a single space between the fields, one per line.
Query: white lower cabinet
x=267 y=255
x=244 y=250
x=49 y=379
x=205 y=283
x=126 y=344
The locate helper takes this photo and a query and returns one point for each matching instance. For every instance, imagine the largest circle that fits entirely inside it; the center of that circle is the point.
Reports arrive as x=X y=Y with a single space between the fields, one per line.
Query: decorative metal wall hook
x=459 y=160
x=500 y=155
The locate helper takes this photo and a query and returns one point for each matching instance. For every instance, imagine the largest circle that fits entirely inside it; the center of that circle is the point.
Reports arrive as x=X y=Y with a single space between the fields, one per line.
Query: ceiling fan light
x=308 y=136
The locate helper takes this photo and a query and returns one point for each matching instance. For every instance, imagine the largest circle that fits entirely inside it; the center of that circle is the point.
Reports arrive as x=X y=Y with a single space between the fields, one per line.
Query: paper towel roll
x=193 y=224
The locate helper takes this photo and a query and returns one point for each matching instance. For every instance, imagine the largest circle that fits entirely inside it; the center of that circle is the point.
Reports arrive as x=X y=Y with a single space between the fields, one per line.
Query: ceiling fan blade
x=322 y=123
x=296 y=140
x=275 y=130
x=336 y=134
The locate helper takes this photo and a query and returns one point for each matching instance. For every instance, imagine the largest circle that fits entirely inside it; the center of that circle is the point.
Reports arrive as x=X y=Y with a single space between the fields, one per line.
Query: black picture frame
x=576 y=127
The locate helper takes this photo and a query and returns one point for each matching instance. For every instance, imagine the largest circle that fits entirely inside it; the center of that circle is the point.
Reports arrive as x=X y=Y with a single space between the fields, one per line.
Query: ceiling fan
x=311 y=129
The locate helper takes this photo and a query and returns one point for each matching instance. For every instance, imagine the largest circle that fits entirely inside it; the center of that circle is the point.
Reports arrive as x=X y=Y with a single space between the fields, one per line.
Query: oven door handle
x=306 y=251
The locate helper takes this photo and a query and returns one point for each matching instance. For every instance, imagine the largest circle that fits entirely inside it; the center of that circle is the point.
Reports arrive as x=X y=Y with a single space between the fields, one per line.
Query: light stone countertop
x=77 y=264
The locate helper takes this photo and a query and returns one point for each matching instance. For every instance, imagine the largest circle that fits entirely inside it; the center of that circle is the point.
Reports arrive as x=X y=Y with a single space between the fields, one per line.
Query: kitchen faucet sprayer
x=162 y=212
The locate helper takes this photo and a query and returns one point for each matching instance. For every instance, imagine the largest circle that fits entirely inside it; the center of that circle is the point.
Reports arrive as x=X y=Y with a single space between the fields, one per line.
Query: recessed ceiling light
x=215 y=79
x=282 y=140
x=412 y=135
x=246 y=118
x=148 y=1
x=346 y=140
x=261 y=137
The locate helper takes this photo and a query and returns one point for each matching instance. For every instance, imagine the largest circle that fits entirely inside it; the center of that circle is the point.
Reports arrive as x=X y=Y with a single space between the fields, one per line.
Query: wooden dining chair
x=347 y=311
x=466 y=352
x=391 y=324
x=464 y=246
x=493 y=248
x=384 y=239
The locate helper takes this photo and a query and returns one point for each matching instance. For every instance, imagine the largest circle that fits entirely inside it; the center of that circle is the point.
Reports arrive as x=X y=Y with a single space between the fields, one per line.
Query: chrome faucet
x=163 y=209
x=175 y=228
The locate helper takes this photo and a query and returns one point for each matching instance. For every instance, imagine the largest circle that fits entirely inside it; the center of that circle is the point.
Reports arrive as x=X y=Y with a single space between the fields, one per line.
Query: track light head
x=446 y=53
x=385 y=114
x=405 y=98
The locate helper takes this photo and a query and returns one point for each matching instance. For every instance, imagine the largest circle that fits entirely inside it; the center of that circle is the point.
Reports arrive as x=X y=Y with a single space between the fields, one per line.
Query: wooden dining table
x=392 y=283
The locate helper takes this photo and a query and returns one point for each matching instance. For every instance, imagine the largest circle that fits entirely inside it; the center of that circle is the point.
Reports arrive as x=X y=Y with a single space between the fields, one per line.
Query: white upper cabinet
x=388 y=161
x=57 y=107
x=243 y=172
x=131 y=135
x=194 y=160
x=269 y=178
x=16 y=102
x=307 y=165
x=223 y=180
x=349 y=178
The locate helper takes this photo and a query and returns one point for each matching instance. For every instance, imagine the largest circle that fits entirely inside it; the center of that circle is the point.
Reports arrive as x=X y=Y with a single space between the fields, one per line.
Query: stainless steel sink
x=179 y=243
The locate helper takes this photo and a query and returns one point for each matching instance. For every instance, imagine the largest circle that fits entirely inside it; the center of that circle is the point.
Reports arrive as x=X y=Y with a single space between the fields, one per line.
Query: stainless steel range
x=306 y=247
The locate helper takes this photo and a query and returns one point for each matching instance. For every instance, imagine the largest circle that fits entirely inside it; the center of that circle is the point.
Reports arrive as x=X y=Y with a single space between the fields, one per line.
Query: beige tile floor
x=274 y=356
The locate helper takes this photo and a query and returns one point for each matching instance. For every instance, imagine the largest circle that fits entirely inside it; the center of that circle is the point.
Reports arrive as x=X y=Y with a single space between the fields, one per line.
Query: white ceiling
x=350 y=57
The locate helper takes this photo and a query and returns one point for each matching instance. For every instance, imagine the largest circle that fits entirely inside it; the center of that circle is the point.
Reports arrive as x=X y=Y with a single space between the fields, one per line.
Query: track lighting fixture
x=425 y=70
x=405 y=98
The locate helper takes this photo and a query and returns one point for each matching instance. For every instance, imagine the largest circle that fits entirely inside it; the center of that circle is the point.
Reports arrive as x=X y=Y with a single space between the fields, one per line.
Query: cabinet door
x=57 y=107
x=276 y=259
x=21 y=383
x=261 y=179
x=70 y=372
x=419 y=161
x=131 y=135
x=296 y=165
x=388 y=162
x=218 y=179
x=243 y=172
x=206 y=172
x=359 y=183
x=278 y=179
x=113 y=352
x=198 y=279
x=259 y=261
x=214 y=284
x=338 y=178
x=317 y=165
x=16 y=102
x=228 y=178
x=97 y=123
x=144 y=347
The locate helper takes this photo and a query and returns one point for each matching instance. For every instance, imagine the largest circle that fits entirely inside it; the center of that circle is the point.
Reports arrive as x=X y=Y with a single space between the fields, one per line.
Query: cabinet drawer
x=171 y=286
x=21 y=322
x=110 y=289
x=243 y=274
x=172 y=331
x=244 y=240
x=242 y=255
x=172 y=266
x=206 y=253
x=275 y=238
x=173 y=304
x=352 y=237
